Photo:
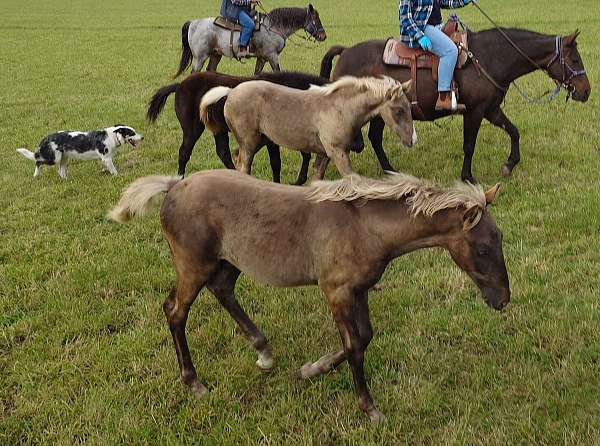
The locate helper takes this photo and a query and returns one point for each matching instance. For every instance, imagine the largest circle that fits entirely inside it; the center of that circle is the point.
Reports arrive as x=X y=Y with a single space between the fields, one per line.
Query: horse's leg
x=222 y=145
x=274 y=160
x=274 y=61
x=303 y=174
x=499 y=119
x=340 y=158
x=330 y=361
x=176 y=308
x=191 y=134
x=222 y=285
x=245 y=156
x=376 y=127
x=320 y=166
x=260 y=64
x=343 y=304
x=198 y=63
x=213 y=62
x=471 y=125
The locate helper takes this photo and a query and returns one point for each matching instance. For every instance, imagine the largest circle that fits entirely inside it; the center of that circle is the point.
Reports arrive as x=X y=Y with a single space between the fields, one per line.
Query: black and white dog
x=97 y=144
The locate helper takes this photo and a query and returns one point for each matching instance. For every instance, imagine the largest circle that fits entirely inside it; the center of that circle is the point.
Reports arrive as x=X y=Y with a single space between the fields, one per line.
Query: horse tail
x=186 y=51
x=327 y=62
x=207 y=115
x=158 y=101
x=139 y=197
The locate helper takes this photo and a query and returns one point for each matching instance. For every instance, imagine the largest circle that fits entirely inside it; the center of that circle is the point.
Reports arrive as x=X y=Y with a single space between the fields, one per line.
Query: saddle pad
x=222 y=22
x=396 y=53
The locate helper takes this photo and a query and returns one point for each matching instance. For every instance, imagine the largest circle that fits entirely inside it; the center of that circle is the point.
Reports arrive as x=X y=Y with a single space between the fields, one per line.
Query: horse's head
x=476 y=247
x=396 y=113
x=313 y=25
x=567 y=68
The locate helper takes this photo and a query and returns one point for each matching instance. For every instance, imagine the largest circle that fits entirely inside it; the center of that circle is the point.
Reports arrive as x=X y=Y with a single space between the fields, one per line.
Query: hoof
x=300 y=182
x=198 y=389
x=265 y=362
x=306 y=371
x=375 y=416
x=469 y=180
x=506 y=170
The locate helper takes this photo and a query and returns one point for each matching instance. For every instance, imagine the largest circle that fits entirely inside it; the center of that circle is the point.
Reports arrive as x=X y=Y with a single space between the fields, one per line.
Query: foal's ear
x=570 y=39
x=310 y=7
x=471 y=217
x=490 y=195
x=406 y=86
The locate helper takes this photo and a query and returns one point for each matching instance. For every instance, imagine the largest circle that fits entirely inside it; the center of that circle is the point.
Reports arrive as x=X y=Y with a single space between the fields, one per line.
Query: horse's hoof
x=300 y=181
x=306 y=371
x=198 y=389
x=506 y=170
x=265 y=361
x=375 y=416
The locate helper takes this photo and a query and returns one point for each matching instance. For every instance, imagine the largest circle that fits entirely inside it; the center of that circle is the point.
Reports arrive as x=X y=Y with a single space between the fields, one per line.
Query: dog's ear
x=119 y=125
x=124 y=131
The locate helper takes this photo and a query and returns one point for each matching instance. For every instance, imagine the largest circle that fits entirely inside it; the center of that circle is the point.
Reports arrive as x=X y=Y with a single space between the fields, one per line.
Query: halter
x=567 y=70
x=310 y=26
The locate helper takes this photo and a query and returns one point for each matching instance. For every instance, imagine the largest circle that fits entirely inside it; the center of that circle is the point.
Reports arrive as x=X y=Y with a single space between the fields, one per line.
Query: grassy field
x=85 y=354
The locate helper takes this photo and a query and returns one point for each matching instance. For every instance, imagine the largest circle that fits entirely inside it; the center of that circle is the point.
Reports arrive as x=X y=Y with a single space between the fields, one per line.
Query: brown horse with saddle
x=494 y=59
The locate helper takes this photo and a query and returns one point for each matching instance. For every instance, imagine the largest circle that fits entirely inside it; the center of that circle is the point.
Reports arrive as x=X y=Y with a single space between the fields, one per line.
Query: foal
x=322 y=120
x=216 y=222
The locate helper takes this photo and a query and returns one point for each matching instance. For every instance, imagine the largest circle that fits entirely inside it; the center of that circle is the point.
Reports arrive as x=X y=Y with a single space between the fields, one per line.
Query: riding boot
x=447 y=102
x=243 y=52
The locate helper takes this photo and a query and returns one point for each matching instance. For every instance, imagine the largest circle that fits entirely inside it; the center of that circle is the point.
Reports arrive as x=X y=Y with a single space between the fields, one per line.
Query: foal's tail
x=158 y=101
x=207 y=115
x=186 y=51
x=327 y=62
x=140 y=196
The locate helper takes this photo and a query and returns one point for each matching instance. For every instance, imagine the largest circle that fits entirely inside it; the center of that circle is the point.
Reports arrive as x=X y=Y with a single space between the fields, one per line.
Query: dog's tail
x=212 y=97
x=158 y=101
x=140 y=196
x=186 y=51
x=27 y=154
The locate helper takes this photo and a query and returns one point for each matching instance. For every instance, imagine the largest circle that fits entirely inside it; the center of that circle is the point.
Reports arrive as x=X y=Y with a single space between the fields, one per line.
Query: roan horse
x=497 y=57
x=322 y=120
x=189 y=93
x=216 y=223
x=202 y=39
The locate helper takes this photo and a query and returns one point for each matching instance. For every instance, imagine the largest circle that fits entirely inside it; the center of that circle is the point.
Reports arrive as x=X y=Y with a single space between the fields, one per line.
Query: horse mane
x=292 y=78
x=379 y=86
x=287 y=18
x=421 y=196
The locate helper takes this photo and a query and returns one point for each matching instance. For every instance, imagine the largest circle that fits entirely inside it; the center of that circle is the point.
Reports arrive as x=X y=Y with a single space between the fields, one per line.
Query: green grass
x=85 y=354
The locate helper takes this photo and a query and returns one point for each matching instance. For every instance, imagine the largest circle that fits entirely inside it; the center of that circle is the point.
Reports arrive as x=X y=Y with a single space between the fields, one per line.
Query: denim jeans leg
x=247 y=28
x=443 y=47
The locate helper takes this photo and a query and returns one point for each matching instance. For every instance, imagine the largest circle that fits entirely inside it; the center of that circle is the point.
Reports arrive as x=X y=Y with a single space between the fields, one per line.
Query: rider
x=420 y=25
x=239 y=11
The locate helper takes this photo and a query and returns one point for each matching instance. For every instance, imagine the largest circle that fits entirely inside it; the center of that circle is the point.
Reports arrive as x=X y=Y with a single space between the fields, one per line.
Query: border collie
x=97 y=144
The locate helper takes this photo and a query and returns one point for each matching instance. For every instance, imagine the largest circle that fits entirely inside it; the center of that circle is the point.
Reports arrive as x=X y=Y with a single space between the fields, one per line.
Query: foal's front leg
x=340 y=158
x=343 y=304
x=320 y=166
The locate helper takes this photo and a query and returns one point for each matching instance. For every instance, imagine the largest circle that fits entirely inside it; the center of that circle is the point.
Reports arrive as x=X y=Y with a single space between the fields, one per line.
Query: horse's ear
x=490 y=195
x=310 y=7
x=406 y=86
x=471 y=217
x=570 y=39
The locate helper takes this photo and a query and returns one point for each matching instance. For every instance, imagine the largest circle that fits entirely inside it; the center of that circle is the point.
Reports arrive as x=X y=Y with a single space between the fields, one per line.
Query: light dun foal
x=322 y=120
x=216 y=223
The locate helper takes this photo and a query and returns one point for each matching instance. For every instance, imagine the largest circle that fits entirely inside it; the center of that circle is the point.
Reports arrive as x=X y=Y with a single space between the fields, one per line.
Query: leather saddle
x=222 y=22
x=398 y=54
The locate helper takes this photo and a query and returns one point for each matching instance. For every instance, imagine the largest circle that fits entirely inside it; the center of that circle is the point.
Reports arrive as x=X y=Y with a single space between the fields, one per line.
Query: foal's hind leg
x=376 y=137
x=223 y=151
x=499 y=119
x=222 y=285
x=274 y=160
x=176 y=308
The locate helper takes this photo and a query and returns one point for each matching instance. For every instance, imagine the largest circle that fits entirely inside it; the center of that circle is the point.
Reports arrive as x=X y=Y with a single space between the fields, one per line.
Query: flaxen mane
x=422 y=197
x=379 y=86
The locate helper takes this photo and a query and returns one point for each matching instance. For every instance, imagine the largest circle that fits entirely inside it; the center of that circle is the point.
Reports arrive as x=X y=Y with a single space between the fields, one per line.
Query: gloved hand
x=425 y=43
x=466 y=2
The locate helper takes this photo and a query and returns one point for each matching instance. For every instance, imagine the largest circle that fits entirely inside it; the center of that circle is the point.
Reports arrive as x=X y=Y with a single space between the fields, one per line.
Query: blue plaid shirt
x=414 y=15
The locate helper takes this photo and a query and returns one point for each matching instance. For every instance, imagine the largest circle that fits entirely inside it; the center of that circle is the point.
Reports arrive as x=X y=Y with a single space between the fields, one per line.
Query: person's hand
x=425 y=43
x=466 y=2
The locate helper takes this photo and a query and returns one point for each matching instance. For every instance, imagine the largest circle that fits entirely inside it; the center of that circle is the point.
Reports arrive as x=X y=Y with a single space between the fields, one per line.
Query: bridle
x=568 y=73
x=311 y=27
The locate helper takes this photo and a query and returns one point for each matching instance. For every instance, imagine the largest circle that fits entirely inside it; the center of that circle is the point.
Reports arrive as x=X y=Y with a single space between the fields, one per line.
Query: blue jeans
x=247 y=28
x=442 y=46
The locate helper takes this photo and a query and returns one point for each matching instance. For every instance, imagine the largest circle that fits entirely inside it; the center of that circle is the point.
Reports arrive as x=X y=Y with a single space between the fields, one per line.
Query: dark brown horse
x=339 y=235
x=499 y=58
x=188 y=95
